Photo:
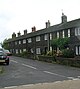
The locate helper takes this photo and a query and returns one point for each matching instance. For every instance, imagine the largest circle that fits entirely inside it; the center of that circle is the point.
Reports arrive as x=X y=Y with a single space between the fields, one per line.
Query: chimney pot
x=19 y=34
x=48 y=24
x=13 y=35
x=25 y=32
x=33 y=29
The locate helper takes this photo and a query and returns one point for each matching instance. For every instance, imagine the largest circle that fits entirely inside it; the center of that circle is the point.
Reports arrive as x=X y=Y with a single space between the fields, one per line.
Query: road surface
x=23 y=71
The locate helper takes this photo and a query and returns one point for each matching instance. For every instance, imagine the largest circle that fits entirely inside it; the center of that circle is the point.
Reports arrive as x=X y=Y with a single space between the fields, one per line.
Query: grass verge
x=1 y=69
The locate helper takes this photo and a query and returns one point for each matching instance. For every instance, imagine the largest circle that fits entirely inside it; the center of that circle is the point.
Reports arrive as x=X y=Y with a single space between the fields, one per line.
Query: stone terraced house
x=39 y=41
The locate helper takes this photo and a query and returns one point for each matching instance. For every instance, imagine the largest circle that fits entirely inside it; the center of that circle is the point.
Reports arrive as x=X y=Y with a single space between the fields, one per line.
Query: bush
x=24 y=53
x=67 y=53
x=49 y=53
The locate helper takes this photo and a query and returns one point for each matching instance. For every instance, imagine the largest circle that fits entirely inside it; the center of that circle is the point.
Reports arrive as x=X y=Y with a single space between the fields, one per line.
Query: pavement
x=66 y=84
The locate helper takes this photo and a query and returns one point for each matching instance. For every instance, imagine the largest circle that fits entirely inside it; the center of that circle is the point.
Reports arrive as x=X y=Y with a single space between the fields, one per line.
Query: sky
x=18 y=15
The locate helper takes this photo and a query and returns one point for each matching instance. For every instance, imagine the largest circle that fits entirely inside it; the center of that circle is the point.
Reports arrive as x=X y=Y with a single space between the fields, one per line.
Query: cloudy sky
x=18 y=15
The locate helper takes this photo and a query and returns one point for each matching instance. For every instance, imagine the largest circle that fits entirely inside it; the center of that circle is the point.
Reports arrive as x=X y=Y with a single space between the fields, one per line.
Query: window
x=50 y=48
x=63 y=33
x=38 y=38
x=76 y=50
x=68 y=32
x=29 y=40
x=50 y=36
x=24 y=41
x=46 y=37
x=32 y=51
x=15 y=43
x=24 y=50
x=79 y=50
x=77 y=31
x=57 y=34
x=20 y=51
x=38 y=51
x=16 y=51
x=19 y=42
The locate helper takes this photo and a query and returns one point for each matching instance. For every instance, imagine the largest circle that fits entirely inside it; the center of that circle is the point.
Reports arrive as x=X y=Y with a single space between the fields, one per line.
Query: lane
x=54 y=68
x=25 y=71
x=29 y=66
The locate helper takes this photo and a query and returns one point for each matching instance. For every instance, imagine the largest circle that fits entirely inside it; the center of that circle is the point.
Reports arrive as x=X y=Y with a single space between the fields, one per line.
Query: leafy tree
x=5 y=44
x=62 y=43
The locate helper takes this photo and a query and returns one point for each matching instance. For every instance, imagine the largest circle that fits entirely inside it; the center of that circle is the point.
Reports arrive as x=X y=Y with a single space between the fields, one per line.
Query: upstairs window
x=77 y=31
x=63 y=33
x=50 y=36
x=19 y=42
x=29 y=40
x=15 y=42
x=46 y=37
x=38 y=38
x=24 y=41
x=69 y=33
x=57 y=34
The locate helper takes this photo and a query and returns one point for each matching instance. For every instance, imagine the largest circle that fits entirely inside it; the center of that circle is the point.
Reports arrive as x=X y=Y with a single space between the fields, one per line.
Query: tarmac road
x=23 y=71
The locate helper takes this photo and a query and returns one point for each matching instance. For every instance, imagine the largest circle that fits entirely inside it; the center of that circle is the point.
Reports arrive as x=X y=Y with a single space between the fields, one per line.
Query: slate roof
x=61 y=26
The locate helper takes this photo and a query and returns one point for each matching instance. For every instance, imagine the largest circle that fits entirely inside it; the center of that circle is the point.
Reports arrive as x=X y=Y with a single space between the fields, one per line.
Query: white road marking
x=78 y=76
x=54 y=74
x=29 y=66
x=11 y=87
x=70 y=78
x=14 y=61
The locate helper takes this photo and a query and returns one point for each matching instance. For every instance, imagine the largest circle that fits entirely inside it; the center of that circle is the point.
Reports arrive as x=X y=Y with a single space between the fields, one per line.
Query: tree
x=5 y=44
x=61 y=43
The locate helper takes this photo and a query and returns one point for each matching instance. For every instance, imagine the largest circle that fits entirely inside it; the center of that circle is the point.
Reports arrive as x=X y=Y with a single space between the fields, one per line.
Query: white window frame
x=24 y=41
x=63 y=34
x=57 y=34
x=16 y=51
x=69 y=33
x=46 y=37
x=15 y=42
x=32 y=51
x=29 y=40
x=76 y=50
x=50 y=36
x=79 y=31
x=24 y=50
x=20 y=51
x=76 y=31
x=79 y=50
x=38 y=51
x=38 y=38
x=50 y=48
x=19 y=42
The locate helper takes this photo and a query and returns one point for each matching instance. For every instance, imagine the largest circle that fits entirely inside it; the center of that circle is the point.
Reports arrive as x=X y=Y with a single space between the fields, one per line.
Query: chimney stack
x=19 y=34
x=64 y=18
x=48 y=24
x=13 y=35
x=33 y=29
x=25 y=32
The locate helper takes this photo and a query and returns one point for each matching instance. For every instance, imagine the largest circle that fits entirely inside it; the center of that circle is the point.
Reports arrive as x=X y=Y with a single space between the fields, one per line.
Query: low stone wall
x=60 y=60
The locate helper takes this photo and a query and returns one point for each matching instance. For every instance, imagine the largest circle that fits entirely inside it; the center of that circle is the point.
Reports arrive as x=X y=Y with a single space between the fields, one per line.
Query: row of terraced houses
x=38 y=41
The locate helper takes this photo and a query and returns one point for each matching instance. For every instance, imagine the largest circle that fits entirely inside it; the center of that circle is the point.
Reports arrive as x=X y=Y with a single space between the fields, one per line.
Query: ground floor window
x=50 y=48
x=16 y=51
x=38 y=51
x=77 y=49
x=20 y=51
x=24 y=50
